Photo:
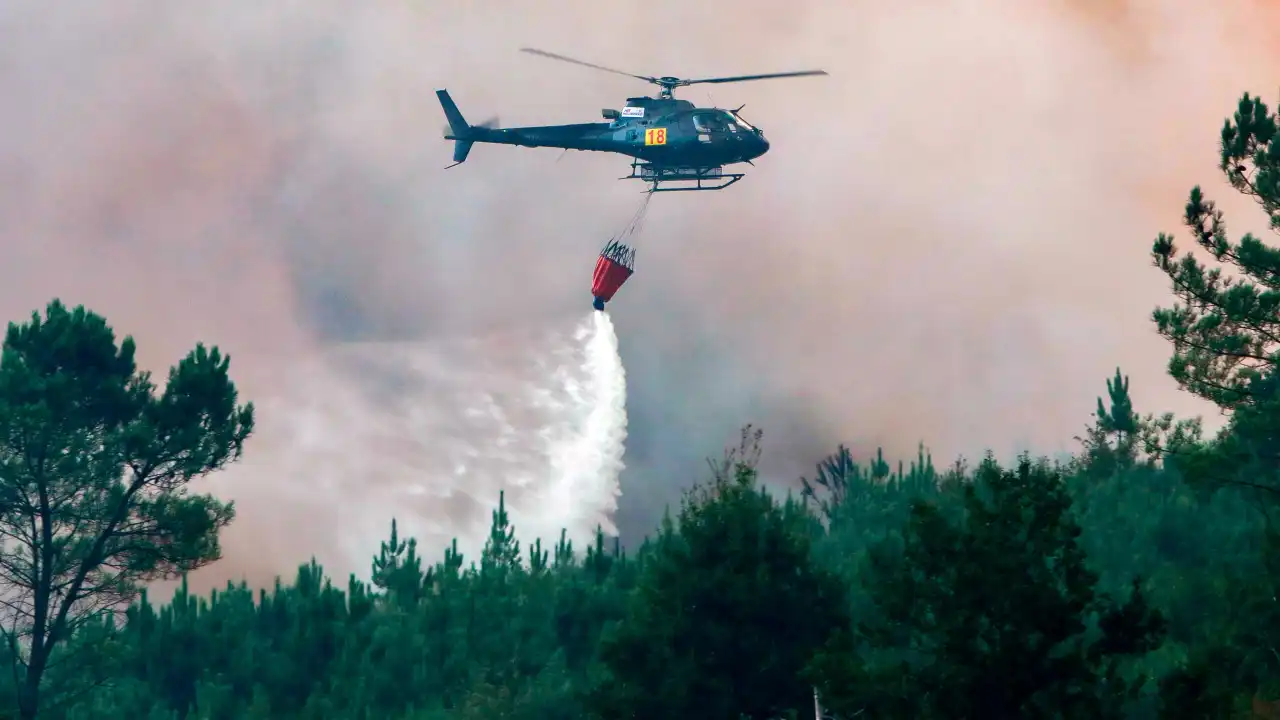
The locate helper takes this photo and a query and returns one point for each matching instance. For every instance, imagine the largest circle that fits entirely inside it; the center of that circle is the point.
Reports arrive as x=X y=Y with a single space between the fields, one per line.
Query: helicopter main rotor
x=667 y=83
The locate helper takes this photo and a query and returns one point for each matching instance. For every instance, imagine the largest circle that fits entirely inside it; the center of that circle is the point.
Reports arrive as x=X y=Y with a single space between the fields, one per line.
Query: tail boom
x=570 y=137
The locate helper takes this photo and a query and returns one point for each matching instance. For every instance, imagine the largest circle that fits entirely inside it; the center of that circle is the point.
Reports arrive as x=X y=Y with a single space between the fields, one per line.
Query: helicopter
x=669 y=140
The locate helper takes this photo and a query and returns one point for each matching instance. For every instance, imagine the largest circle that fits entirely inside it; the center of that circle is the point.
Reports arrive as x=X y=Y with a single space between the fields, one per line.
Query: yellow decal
x=655 y=136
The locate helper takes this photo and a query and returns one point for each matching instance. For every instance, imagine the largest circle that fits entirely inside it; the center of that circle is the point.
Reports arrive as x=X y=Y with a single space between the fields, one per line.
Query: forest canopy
x=1136 y=579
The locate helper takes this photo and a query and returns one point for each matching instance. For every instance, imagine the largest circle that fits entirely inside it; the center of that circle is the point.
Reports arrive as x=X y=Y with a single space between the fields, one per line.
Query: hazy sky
x=947 y=243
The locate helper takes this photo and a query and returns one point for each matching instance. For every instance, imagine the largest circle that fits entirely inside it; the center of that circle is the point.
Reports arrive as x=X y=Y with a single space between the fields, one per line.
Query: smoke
x=947 y=243
x=539 y=416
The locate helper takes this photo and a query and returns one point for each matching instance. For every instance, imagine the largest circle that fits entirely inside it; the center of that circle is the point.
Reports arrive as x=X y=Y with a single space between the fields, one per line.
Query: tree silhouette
x=94 y=468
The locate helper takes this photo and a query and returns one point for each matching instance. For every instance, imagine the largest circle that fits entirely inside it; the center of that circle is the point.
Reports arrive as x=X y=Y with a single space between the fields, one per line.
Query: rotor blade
x=743 y=78
x=553 y=56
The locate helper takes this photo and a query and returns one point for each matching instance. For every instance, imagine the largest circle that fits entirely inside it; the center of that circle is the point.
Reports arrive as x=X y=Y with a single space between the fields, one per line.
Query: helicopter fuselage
x=666 y=133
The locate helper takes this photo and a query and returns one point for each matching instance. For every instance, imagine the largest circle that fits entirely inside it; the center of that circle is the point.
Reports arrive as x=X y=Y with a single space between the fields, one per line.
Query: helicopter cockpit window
x=735 y=120
x=709 y=123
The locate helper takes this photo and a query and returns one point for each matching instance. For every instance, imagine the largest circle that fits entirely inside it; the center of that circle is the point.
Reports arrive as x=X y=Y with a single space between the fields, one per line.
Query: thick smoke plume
x=948 y=242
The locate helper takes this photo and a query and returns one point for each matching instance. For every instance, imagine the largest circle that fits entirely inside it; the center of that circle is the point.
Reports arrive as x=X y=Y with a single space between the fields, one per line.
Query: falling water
x=430 y=434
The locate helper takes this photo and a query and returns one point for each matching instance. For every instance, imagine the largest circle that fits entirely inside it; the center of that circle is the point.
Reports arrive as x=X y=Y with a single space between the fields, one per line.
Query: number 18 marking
x=655 y=136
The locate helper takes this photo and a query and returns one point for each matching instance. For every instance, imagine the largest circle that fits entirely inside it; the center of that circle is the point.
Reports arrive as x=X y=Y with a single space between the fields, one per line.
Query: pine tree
x=397 y=569
x=987 y=613
x=729 y=609
x=94 y=479
x=501 y=551
x=1225 y=326
x=1111 y=444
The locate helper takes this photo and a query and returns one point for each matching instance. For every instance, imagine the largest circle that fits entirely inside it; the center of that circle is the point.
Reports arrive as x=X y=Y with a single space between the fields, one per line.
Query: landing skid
x=700 y=177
